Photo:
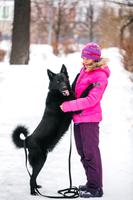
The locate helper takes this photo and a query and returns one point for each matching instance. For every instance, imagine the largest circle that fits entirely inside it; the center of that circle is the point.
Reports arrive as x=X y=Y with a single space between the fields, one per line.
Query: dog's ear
x=64 y=70
x=50 y=74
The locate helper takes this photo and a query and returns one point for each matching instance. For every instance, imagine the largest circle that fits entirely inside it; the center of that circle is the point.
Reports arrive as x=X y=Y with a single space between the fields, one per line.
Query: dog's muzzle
x=66 y=92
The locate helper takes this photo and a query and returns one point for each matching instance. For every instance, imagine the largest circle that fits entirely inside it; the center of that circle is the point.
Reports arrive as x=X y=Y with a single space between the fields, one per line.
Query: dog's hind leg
x=37 y=163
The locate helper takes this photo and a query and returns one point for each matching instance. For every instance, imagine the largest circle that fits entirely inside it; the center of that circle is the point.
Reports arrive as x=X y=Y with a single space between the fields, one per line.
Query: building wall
x=6 y=18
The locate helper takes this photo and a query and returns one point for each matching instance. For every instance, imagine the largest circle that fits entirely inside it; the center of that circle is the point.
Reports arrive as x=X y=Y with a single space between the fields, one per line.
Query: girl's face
x=87 y=62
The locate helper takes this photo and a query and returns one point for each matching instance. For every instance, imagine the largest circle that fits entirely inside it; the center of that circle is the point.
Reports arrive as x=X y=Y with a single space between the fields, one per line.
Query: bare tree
x=64 y=23
x=124 y=26
x=21 y=33
x=126 y=32
x=108 y=26
x=128 y=3
x=53 y=22
x=91 y=19
x=128 y=17
x=86 y=20
x=39 y=21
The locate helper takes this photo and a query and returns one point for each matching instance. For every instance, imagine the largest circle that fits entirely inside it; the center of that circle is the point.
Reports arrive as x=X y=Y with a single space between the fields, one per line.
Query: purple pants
x=87 y=141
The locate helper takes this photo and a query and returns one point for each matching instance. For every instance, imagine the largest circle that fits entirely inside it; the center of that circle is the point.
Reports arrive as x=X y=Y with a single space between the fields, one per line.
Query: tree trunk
x=21 y=33
x=91 y=10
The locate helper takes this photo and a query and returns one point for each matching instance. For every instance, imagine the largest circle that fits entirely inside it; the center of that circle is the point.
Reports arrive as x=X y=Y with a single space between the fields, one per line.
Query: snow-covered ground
x=23 y=90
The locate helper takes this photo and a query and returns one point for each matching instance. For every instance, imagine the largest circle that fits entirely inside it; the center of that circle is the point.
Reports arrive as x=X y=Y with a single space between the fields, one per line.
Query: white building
x=6 y=17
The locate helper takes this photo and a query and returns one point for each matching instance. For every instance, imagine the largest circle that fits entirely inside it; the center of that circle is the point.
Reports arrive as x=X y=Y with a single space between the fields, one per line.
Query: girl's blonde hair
x=98 y=64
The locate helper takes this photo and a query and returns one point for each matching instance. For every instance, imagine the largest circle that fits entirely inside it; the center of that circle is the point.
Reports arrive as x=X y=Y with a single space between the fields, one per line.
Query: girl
x=86 y=124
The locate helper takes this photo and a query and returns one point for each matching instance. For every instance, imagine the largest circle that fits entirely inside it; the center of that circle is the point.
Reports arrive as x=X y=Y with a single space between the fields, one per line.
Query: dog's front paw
x=33 y=192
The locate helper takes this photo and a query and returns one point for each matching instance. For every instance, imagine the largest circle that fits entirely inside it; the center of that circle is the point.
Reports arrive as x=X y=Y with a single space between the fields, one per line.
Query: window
x=1 y=11
x=5 y=12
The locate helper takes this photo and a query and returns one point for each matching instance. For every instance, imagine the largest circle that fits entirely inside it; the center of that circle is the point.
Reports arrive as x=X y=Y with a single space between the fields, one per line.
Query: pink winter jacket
x=90 y=105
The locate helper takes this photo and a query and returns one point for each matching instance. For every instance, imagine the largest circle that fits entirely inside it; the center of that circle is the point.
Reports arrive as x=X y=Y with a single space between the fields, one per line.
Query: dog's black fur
x=51 y=128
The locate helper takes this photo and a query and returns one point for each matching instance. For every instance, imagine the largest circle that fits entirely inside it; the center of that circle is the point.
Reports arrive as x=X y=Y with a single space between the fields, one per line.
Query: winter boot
x=87 y=194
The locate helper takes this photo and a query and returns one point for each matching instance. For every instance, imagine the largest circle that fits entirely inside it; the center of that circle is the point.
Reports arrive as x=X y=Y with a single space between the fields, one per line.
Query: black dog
x=51 y=128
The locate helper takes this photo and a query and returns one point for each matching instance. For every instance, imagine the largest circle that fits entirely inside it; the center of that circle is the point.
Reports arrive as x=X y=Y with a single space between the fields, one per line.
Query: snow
x=23 y=90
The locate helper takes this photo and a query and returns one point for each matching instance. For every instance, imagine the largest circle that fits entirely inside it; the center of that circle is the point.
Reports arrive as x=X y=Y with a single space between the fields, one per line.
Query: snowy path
x=18 y=87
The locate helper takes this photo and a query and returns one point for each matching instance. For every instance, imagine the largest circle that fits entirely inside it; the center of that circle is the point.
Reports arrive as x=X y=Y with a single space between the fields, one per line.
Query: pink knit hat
x=91 y=51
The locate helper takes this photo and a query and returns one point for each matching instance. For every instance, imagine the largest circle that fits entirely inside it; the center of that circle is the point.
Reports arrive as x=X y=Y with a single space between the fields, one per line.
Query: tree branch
x=129 y=4
x=123 y=28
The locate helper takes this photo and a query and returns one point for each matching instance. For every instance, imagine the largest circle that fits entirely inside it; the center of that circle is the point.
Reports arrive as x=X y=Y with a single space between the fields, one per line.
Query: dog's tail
x=16 y=136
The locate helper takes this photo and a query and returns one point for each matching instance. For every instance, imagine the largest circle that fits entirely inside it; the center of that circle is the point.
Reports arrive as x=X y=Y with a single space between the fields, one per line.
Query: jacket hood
x=105 y=69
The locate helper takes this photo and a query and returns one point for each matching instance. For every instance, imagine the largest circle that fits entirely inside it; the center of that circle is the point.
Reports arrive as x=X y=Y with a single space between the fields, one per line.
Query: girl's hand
x=61 y=107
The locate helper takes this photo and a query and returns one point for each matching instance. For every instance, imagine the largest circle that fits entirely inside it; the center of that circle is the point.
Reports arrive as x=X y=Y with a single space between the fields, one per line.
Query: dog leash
x=26 y=159
x=68 y=193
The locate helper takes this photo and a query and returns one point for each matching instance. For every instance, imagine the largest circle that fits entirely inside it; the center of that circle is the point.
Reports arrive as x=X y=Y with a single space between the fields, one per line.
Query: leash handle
x=68 y=193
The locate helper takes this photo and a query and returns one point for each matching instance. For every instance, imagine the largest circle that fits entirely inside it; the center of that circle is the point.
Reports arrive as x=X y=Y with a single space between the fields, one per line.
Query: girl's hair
x=99 y=64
